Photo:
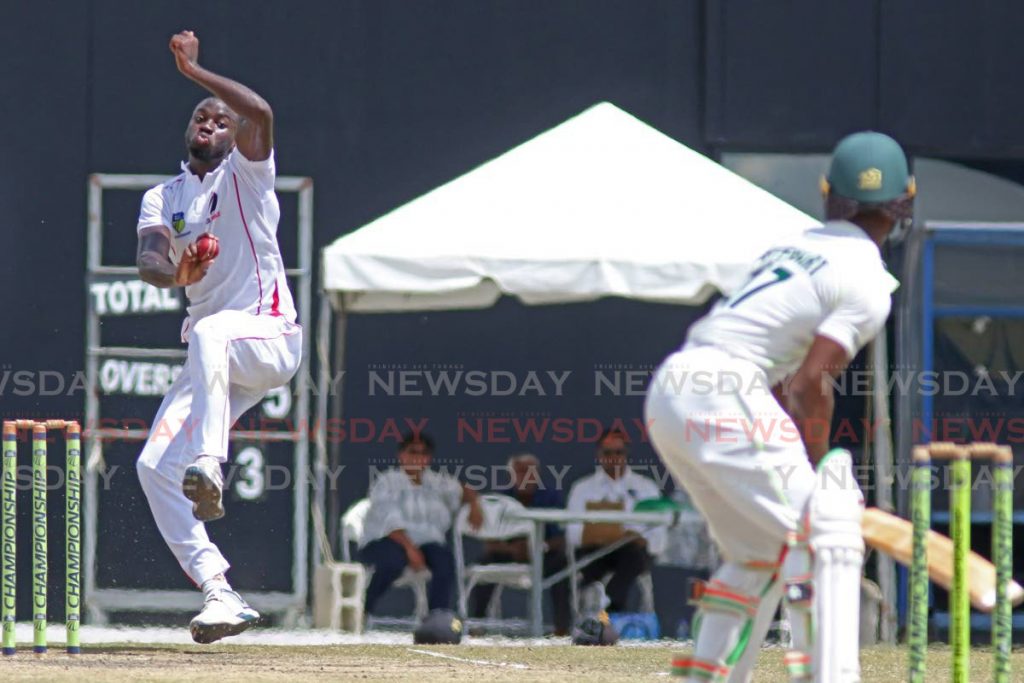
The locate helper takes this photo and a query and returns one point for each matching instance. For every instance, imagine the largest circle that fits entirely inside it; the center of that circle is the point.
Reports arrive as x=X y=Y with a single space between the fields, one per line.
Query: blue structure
x=961 y=308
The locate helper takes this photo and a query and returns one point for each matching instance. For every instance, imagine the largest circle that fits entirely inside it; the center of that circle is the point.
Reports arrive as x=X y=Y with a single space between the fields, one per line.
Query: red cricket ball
x=207 y=246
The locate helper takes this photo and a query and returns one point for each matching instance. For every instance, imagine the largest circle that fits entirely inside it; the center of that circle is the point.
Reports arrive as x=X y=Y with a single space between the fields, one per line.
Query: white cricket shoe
x=203 y=485
x=224 y=614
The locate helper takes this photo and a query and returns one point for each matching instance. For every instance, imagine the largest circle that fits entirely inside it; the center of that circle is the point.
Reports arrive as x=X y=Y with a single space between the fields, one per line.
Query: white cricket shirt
x=237 y=203
x=425 y=511
x=830 y=281
x=628 y=489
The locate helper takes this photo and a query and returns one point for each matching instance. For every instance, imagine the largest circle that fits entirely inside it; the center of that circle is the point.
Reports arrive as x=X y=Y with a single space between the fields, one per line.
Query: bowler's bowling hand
x=190 y=269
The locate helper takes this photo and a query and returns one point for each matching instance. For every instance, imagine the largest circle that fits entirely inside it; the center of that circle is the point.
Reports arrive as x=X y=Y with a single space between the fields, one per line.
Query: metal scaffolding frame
x=100 y=600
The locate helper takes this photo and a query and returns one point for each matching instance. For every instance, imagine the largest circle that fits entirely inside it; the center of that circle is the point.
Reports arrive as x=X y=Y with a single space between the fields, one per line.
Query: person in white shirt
x=614 y=486
x=741 y=416
x=241 y=331
x=411 y=509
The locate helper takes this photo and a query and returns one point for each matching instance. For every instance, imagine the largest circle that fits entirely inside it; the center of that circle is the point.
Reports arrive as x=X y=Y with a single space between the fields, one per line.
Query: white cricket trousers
x=724 y=437
x=234 y=359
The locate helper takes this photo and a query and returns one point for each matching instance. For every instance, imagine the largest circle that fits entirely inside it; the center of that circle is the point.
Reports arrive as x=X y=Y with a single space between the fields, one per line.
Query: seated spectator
x=411 y=509
x=614 y=486
x=527 y=488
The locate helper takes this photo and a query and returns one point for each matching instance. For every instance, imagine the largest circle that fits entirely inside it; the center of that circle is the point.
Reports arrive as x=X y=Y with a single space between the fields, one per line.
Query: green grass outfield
x=227 y=663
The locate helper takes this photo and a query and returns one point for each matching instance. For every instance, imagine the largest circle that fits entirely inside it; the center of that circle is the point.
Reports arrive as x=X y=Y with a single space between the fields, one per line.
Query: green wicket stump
x=40 y=540
x=921 y=516
x=960 y=458
x=9 y=537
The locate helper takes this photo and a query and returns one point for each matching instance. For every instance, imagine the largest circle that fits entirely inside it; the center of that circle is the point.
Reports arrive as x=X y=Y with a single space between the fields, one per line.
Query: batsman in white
x=741 y=415
x=241 y=332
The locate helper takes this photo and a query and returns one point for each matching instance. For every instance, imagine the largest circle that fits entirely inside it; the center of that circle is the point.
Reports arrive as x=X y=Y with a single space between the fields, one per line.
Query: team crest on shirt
x=214 y=213
x=178 y=221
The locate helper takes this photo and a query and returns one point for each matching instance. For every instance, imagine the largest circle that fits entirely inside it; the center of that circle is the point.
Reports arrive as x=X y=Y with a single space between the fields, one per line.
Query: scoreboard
x=133 y=354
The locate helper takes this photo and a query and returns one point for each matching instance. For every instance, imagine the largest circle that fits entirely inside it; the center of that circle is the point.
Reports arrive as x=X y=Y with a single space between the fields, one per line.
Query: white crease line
x=483 y=662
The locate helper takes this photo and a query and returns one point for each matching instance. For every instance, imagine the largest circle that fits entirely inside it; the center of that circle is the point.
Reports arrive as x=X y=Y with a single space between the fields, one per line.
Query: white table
x=541 y=516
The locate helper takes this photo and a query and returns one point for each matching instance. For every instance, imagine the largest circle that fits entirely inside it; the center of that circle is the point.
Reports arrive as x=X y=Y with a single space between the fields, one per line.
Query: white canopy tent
x=600 y=205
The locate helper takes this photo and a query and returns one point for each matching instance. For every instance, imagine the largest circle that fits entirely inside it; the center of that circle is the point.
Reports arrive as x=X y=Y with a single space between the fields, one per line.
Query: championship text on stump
x=72 y=531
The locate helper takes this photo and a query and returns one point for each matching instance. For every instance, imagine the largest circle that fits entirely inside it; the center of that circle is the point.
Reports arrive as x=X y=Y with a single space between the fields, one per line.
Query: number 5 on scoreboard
x=758 y=281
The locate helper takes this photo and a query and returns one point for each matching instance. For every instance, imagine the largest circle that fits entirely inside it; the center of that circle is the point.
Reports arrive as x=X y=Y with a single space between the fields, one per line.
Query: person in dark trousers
x=528 y=488
x=411 y=510
x=614 y=486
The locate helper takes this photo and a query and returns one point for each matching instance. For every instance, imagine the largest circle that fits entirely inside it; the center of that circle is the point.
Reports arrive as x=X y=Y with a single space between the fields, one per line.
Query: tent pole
x=881 y=441
x=323 y=345
x=340 y=333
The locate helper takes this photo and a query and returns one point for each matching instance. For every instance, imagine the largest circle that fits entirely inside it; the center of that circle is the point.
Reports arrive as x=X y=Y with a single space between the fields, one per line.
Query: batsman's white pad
x=735 y=609
x=743 y=671
x=823 y=586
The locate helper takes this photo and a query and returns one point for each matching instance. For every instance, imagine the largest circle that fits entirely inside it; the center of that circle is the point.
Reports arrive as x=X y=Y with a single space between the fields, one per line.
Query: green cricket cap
x=870 y=168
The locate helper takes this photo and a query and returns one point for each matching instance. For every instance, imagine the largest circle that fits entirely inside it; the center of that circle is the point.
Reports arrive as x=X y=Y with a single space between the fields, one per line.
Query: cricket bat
x=893 y=536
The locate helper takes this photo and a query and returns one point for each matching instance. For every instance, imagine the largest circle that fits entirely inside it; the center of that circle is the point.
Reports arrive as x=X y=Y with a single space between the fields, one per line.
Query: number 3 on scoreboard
x=758 y=281
x=250 y=484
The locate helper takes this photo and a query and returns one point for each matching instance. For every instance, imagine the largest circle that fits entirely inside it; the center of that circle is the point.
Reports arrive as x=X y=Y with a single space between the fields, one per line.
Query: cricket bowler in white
x=241 y=332
x=741 y=416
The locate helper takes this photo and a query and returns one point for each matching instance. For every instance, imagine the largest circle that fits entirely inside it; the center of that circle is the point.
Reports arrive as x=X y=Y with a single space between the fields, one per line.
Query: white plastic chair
x=352 y=523
x=498 y=525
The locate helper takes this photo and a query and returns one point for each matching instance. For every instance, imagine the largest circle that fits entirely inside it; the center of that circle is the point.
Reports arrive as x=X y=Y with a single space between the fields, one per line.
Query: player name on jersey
x=806 y=260
x=130 y=297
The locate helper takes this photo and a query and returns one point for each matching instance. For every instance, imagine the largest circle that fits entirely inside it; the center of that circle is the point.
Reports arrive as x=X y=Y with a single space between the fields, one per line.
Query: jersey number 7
x=758 y=281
